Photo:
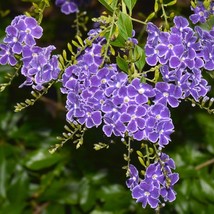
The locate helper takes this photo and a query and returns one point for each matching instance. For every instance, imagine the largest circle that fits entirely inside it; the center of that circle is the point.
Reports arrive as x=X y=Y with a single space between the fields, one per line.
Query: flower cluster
x=201 y=14
x=38 y=65
x=104 y=96
x=67 y=6
x=182 y=55
x=157 y=185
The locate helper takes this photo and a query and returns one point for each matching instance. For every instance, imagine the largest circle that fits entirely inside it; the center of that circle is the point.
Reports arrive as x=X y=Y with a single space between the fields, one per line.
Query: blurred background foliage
x=82 y=181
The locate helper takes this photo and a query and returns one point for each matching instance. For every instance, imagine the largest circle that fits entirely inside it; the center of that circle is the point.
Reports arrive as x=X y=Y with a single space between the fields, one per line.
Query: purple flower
x=158 y=182
x=167 y=93
x=140 y=91
x=208 y=55
x=67 y=6
x=134 y=118
x=14 y=39
x=170 y=46
x=6 y=55
x=146 y=194
x=160 y=132
x=153 y=34
x=89 y=117
x=113 y=126
x=39 y=66
x=154 y=175
x=167 y=191
x=28 y=29
x=134 y=177
x=200 y=14
x=181 y=26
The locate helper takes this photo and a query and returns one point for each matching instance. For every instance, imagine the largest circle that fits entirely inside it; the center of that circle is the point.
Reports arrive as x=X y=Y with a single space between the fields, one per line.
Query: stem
x=41 y=12
x=139 y=21
x=110 y=35
x=207 y=163
x=164 y=15
x=129 y=155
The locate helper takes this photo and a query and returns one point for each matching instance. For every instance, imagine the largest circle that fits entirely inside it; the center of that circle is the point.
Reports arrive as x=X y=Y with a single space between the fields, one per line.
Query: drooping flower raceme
x=157 y=185
x=104 y=96
x=182 y=54
x=39 y=67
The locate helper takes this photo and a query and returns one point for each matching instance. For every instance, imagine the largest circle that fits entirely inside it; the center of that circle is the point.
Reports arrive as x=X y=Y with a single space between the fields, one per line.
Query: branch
x=207 y=163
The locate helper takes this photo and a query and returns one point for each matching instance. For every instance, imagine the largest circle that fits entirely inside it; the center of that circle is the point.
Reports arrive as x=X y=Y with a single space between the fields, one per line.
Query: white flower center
x=170 y=46
x=15 y=39
x=118 y=85
x=146 y=193
x=165 y=94
x=154 y=177
x=126 y=99
x=161 y=131
x=201 y=13
x=158 y=117
x=141 y=91
x=103 y=81
x=27 y=30
x=114 y=110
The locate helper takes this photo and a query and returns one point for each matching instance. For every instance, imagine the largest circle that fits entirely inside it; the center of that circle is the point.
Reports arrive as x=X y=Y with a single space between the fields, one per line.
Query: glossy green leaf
x=139 y=56
x=86 y=195
x=207 y=187
x=41 y=159
x=130 y=4
x=108 y=4
x=19 y=185
x=122 y=64
x=125 y=25
x=118 y=42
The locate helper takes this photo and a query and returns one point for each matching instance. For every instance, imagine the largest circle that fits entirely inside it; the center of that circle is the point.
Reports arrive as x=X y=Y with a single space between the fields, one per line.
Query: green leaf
x=63 y=191
x=118 y=42
x=108 y=4
x=122 y=64
x=115 y=197
x=139 y=56
x=41 y=159
x=13 y=208
x=86 y=195
x=2 y=176
x=19 y=186
x=207 y=188
x=54 y=208
x=125 y=25
x=130 y=4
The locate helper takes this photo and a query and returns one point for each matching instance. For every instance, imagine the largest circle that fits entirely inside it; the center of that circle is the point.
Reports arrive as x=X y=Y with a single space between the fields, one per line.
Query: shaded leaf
x=41 y=159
